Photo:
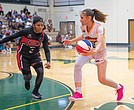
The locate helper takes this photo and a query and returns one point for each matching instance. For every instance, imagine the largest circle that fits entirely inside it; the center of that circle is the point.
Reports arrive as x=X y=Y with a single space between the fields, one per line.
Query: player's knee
x=27 y=74
x=77 y=66
x=40 y=74
x=39 y=69
x=102 y=80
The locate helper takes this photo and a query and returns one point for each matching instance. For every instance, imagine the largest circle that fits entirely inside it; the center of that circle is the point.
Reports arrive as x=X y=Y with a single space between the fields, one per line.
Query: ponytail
x=99 y=16
x=94 y=13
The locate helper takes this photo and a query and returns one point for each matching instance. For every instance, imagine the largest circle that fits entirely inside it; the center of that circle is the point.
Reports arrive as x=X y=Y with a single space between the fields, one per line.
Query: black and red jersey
x=30 y=42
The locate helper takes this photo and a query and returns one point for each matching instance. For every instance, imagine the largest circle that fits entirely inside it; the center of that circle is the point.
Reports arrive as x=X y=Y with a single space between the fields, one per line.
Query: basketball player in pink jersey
x=95 y=33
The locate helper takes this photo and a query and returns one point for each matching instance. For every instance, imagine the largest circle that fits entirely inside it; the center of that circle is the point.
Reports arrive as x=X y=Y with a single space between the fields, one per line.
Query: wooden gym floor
x=58 y=82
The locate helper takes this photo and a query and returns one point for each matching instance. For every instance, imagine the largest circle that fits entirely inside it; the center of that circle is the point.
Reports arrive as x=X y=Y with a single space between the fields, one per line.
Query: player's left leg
x=102 y=79
x=38 y=66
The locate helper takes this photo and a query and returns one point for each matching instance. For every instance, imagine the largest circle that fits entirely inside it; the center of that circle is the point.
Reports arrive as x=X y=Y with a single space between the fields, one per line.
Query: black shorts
x=25 y=63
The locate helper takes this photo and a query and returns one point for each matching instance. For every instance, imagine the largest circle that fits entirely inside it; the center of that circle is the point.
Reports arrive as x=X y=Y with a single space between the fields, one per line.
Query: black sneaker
x=27 y=85
x=37 y=95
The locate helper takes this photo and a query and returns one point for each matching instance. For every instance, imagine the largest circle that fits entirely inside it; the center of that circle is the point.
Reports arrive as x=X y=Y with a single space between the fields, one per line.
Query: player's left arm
x=100 y=39
x=47 y=51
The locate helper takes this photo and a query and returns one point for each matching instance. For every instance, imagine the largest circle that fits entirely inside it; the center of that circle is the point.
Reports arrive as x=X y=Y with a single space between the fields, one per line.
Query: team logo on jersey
x=91 y=39
x=33 y=43
x=30 y=42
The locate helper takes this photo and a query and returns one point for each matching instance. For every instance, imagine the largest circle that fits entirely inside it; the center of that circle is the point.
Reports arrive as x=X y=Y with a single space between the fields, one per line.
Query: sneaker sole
x=75 y=99
x=36 y=97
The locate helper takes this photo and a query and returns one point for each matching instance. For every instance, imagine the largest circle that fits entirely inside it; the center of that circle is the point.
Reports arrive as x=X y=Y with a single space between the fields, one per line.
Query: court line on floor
x=69 y=89
x=23 y=105
x=66 y=86
x=10 y=75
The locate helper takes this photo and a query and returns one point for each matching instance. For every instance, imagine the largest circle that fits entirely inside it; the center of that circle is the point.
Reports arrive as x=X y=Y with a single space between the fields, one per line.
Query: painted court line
x=23 y=105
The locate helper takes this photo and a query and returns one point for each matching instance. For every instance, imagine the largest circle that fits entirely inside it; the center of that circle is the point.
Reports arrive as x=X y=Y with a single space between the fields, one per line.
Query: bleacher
x=52 y=34
x=54 y=44
x=4 y=21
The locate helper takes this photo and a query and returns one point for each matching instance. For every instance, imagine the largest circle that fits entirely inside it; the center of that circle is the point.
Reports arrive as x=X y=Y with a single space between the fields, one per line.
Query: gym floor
x=58 y=82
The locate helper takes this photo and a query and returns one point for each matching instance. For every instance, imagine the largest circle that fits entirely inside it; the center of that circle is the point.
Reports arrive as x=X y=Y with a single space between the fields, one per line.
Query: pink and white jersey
x=96 y=30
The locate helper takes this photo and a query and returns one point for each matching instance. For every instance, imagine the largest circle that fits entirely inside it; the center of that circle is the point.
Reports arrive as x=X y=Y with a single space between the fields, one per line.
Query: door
x=131 y=42
x=67 y=27
x=131 y=32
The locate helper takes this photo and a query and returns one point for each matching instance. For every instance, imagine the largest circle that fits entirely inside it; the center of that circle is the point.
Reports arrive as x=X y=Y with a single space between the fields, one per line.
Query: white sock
x=78 y=89
x=118 y=87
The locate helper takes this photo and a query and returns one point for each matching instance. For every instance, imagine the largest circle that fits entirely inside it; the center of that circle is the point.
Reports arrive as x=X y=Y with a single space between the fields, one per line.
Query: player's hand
x=65 y=42
x=47 y=65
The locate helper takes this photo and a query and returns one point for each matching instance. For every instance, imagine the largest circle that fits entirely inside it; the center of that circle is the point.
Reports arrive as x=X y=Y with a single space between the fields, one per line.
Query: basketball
x=83 y=45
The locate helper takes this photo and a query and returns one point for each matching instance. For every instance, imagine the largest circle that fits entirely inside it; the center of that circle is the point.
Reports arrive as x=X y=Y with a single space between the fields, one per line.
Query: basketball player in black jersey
x=28 y=53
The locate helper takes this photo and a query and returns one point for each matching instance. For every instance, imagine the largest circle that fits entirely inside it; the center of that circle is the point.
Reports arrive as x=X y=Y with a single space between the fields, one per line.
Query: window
x=68 y=2
x=16 y=1
x=32 y=2
x=40 y=2
x=23 y=1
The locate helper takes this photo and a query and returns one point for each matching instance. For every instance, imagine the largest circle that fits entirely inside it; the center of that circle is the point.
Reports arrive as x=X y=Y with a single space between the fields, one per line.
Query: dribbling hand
x=47 y=65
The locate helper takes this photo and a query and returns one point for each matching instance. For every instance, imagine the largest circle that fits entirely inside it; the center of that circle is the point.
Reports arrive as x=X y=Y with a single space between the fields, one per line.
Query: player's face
x=84 y=19
x=38 y=27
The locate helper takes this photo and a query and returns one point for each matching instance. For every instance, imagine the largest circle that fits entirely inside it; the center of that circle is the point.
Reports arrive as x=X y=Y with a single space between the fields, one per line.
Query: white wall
x=125 y=11
x=117 y=21
x=64 y=14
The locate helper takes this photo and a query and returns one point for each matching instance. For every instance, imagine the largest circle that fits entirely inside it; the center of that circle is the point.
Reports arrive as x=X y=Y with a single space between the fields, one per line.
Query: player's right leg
x=80 y=61
x=38 y=66
x=24 y=67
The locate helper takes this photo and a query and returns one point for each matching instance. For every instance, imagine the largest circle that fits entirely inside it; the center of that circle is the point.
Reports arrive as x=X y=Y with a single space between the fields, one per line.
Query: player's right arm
x=13 y=36
x=73 y=40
